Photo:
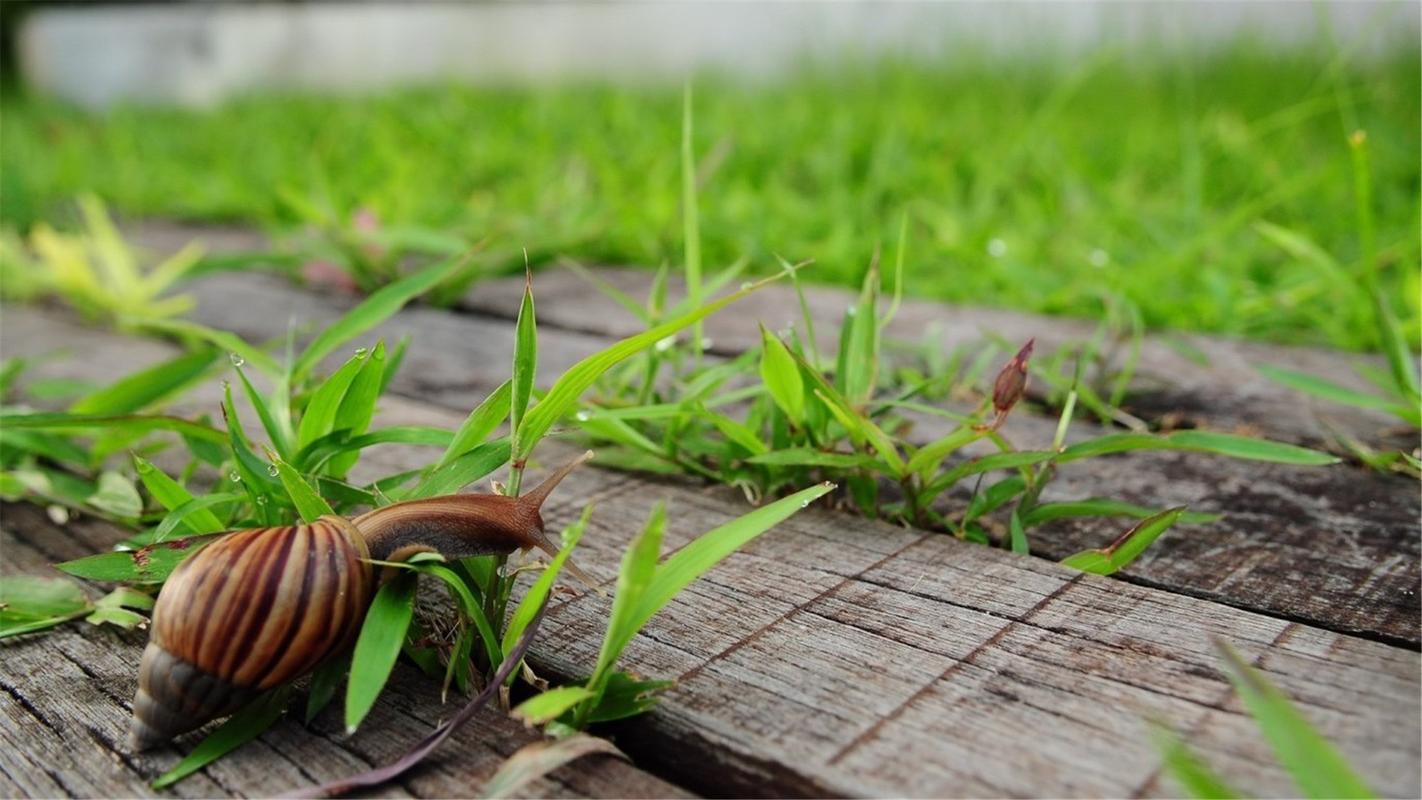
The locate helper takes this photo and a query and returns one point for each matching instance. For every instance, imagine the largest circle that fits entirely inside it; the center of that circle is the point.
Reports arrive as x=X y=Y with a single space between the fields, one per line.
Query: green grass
x=1037 y=184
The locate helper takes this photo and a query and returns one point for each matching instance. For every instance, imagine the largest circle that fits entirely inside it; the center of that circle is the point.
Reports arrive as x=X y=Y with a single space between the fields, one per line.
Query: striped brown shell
x=253 y=610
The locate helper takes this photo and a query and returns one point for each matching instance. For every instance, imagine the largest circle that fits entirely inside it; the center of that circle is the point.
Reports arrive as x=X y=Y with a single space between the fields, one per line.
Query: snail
x=260 y=607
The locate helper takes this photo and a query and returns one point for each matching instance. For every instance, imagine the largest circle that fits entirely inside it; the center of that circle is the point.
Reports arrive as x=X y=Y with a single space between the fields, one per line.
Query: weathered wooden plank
x=1228 y=393
x=834 y=646
x=1348 y=536
x=1335 y=547
x=66 y=700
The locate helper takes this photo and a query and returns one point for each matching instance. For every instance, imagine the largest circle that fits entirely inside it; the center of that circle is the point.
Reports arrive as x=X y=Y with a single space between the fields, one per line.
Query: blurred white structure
x=198 y=53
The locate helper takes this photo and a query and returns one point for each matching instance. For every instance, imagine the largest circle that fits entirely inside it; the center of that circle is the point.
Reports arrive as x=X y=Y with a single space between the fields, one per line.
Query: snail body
x=261 y=607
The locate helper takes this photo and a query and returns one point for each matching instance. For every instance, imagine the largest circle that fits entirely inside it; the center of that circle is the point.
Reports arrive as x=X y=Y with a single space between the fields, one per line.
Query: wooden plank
x=66 y=697
x=1265 y=555
x=1333 y=547
x=838 y=656
x=1228 y=393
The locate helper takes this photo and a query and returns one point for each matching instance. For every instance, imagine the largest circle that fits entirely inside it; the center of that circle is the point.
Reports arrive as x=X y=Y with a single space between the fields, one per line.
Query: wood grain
x=66 y=699
x=1335 y=547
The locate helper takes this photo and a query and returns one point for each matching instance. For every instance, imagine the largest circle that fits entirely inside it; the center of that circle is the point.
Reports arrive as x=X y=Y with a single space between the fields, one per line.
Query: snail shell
x=256 y=594
x=261 y=607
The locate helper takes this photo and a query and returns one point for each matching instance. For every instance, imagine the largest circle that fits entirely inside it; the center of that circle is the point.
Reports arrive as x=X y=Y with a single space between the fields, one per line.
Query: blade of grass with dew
x=277 y=425
x=357 y=407
x=171 y=494
x=244 y=726
x=308 y=503
x=225 y=341
x=1318 y=769
x=135 y=392
x=1120 y=553
x=482 y=421
x=525 y=360
x=381 y=636
x=374 y=310
x=564 y=394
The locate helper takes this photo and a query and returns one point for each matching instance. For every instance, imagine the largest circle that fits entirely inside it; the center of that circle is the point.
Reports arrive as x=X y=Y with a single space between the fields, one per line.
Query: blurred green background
x=1214 y=189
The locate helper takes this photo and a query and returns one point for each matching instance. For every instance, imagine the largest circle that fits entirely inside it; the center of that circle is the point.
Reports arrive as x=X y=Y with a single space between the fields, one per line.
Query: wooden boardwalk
x=834 y=656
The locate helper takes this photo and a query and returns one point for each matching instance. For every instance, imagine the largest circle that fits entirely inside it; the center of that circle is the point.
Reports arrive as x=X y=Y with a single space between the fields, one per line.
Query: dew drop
x=143 y=467
x=234 y=476
x=273 y=470
x=360 y=352
x=746 y=285
x=997 y=248
x=582 y=416
x=261 y=499
x=226 y=385
x=665 y=344
x=236 y=359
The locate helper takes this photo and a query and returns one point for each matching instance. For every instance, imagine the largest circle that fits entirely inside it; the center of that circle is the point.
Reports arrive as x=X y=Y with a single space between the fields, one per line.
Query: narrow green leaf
x=381 y=637
x=30 y=603
x=481 y=422
x=1318 y=387
x=691 y=219
x=1200 y=442
x=927 y=458
x=862 y=354
x=142 y=389
x=377 y=308
x=308 y=503
x=132 y=422
x=1017 y=535
x=341 y=441
x=151 y=564
x=782 y=377
x=1318 y=769
x=357 y=407
x=170 y=494
x=809 y=457
x=525 y=360
x=275 y=422
x=319 y=416
x=1194 y=776
x=1009 y=460
x=549 y=705
x=534 y=598
x=564 y=394
x=225 y=342
x=735 y=431
x=1102 y=507
x=179 y=516
x=708 y=549
x=464 y=470
x=244 y=726
x=1120 y=553
x=324 y=682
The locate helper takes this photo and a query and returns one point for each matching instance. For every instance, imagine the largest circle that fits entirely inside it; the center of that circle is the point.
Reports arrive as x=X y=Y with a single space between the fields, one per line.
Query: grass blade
x=142 y=389
x=1120 y=553
x=244 y=726
x=481 y=422
x=381 y=637
x=1194 y=775
x=464 y=470
x=1200 y=442
x=525 y=359
x=1317 y=768
x=171 y=494
x=374 y=310
x=1318 y=387
x=564 y=394
x=223 y=340
x=782 y=377
x=308 y=503
x=690 y=218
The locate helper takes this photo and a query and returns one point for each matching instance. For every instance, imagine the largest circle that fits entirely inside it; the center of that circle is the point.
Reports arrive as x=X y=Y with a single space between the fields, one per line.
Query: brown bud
x=1011 y=383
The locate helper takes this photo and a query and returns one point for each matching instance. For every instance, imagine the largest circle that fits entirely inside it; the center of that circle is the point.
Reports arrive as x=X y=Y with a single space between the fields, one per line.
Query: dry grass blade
x=535 y=760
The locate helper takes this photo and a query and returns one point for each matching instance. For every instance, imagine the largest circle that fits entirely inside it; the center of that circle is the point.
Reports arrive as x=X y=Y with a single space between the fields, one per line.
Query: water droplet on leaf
x=236 y=359
x=273 y=470
x=234 y=476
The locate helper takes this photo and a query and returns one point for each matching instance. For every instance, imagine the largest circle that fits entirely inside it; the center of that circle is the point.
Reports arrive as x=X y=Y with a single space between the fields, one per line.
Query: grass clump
x=1025 y=184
